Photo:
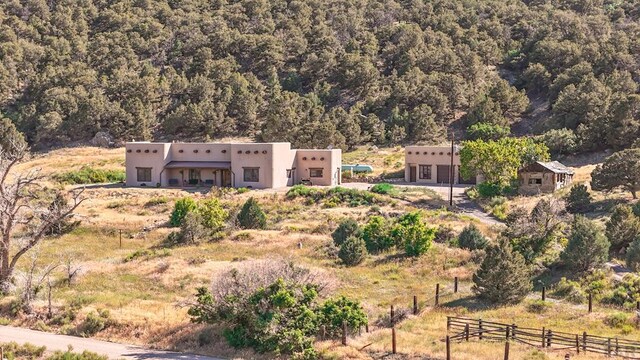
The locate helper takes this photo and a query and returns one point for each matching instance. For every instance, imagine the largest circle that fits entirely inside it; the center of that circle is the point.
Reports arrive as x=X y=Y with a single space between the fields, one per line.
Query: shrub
x=489 y=190
x=560 y=141
x=333 y=312
x=94 y=323
x=251 y=216
x=486 y=131
x=352 y=251
x=626 y=293
x=633 y=255
x=538 y=307
x=503 y=276
x=181 y=208
x=89 y=175
x=376 y=235
x=587 y=247
x=569 y=290
x=471 y=238
x=13 y=350
x=411 y=230
x=334 y=196
x=68 y=355
x=444 y=234
x=617 y=320
x=382 y=188
x=212 y=215
x=579 y=199
x=147 y=254
x=156 y=201
x=622 y=228
x=636 y=208
x=348 y=227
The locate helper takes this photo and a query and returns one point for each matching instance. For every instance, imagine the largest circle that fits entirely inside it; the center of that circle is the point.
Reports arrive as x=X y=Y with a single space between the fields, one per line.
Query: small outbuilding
x=544 y=177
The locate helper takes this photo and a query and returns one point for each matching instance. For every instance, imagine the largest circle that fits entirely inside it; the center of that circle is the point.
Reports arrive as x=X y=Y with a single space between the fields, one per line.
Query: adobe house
x=544 y=177
x=253 y=165
x=432 y=165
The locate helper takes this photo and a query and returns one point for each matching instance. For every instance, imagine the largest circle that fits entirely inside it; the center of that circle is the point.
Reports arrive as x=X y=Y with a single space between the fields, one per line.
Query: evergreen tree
x=633 y=255
x=587 y=247
x=503 y=276
x=471 y=238
x=579 y=199
x=352 y=251
x=620 y=170
x=348 y=227
x=251 y=216
x=622 y=228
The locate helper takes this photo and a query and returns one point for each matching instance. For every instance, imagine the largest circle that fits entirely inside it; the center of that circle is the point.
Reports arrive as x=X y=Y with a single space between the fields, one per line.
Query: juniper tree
x=587 y=247
x=251 y=216
x=503 y=277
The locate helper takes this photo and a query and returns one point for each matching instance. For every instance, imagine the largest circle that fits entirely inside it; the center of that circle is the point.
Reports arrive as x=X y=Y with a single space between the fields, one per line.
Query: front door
x=443 y=174
x=194 y=176
x=226 y=178
x=412 y=173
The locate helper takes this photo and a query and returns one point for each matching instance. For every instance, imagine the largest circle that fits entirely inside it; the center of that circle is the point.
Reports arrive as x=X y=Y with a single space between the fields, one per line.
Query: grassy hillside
x=146 y=287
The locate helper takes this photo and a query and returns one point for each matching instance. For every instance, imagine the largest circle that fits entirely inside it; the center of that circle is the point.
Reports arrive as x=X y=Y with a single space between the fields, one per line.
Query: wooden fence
x=464 y=329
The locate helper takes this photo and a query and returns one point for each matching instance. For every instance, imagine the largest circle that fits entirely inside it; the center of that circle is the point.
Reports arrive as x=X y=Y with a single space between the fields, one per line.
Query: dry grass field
x=147 y=295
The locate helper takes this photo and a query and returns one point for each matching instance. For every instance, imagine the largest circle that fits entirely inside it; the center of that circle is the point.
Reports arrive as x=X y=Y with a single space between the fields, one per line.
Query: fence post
x=437 y=294
x=415 y=305
x=513 y=330
x=544 y=341
x=617 y=346
x=344 y=333
x=584 y=341
x=507 y=332
x=609 y=346
x=466 y=332
x=392 y=316
x=366 y=327
x=448 y=348
x=637 y=305
x=577 y=344
x=590 y=302
x=549 y=338
x=506 y=350
x=393 y=340
x=448 y=323
x=455 y=284
x=480 y=329
x=544 y=293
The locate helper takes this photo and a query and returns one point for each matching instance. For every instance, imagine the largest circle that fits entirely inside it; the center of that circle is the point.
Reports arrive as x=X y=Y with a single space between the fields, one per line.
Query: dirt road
x=112 y=350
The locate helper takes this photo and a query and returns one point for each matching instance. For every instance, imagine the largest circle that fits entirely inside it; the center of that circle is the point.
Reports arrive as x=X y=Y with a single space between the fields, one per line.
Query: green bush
x=587 y=247
x=636 y=208
x=633 y=255
x=156 y=201
x=617 y=320
x=444 y=234
x=570 y=291
x=382 y=188
x=94 y=323
x=376 y=235
x=411 y=231
x=68 y=355
x=503 y=277
x=560 y=141
x=212 y=214
x=538 y=307
x=147 y=254
x=333 y=312
x=622 y=228
x=348 y=227
x=352 y=251
x=334 y=196
x=471 y=238
x=488 y=190
x=89 y=175
x=486 y=131
x=578 y=200
x=13 y=350
x=251 y=216
x=180 y=209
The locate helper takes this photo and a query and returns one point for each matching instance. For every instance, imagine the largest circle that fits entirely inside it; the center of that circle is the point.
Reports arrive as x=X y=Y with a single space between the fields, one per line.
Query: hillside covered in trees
x=321 y=72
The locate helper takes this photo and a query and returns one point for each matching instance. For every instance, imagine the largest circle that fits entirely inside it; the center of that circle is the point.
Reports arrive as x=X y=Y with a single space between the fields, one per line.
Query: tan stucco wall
x=272 y=159
x=148 y=155
x=429 y=155
x=329 y=160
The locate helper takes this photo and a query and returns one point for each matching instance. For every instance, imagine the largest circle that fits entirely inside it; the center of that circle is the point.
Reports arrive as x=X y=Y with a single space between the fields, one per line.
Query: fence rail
x=464 y=329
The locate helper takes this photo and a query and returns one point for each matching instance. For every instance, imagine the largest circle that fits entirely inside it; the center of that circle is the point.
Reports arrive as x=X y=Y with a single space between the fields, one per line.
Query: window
x=289 y=173
x=316 y=173
x=533 y=181
x=252 y=174
x=425 y=172
x=144 y=174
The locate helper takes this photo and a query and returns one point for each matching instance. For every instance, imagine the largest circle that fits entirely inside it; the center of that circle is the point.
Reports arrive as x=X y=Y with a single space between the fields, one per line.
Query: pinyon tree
x=620 y=170
x=503 y=276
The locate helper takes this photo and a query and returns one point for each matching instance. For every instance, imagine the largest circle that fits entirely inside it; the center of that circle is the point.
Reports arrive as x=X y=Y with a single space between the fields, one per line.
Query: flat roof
x=199 y=164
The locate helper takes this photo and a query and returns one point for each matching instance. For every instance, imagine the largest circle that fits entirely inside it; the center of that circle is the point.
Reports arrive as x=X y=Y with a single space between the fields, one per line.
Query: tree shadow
x=471 y=303
x=389 y=258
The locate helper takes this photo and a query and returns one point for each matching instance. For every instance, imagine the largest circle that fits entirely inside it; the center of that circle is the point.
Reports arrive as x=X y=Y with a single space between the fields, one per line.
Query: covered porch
x=199 y=173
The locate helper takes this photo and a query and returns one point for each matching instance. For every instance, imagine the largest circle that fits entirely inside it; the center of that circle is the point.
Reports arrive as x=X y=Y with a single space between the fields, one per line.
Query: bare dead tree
x=28 y=212
x=33 y=280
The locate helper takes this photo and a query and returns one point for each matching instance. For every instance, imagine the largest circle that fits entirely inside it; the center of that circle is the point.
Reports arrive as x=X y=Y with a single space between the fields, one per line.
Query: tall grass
x=89 y=175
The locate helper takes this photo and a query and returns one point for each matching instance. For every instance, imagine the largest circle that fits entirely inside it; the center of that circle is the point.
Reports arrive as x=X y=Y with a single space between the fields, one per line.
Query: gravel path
x=112 y=350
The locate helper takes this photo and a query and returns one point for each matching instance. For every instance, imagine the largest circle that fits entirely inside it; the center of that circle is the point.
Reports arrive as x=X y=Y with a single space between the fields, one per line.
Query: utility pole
x=451 y=172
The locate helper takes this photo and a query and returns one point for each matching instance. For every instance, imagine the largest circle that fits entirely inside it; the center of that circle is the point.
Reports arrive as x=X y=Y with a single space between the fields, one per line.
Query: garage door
x=443 y=174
